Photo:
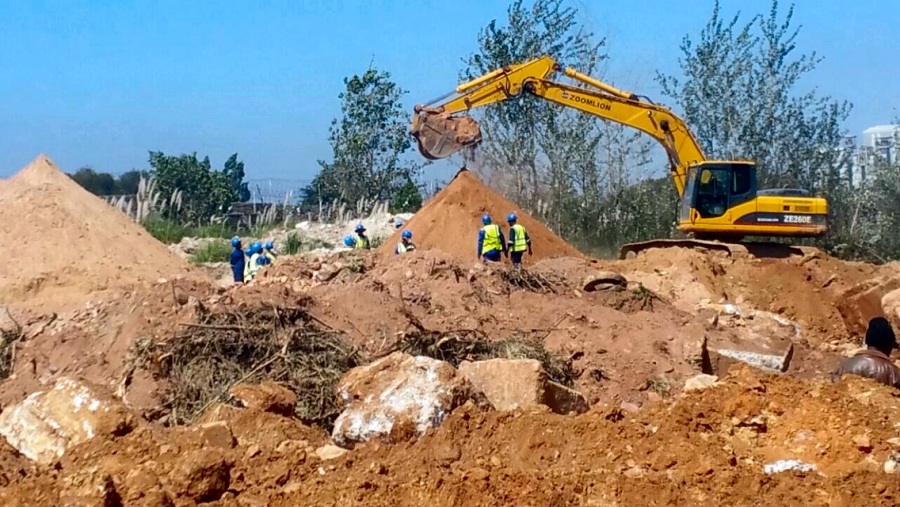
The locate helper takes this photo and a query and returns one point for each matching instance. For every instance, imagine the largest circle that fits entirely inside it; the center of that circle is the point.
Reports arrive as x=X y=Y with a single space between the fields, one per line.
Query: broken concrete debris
x=511 y=384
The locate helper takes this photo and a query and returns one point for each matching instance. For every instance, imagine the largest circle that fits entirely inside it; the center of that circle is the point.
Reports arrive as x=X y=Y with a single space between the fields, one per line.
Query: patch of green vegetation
x=292 y=244
x=212 y=251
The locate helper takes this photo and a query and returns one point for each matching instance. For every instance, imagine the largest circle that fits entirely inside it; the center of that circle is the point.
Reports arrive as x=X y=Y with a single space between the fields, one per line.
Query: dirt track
x=631 y=350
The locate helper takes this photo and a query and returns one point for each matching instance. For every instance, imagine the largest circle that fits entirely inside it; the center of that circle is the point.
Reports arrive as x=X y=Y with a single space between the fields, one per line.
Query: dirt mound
x=804 y=289
x=451 y=220
x=63 y=243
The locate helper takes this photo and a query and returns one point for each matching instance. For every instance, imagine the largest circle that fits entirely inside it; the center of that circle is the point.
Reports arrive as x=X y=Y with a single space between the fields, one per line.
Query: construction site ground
x=630 y=346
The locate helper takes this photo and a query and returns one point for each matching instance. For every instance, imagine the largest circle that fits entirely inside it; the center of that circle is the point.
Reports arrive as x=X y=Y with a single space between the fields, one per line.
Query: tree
x=367 y=142
x=94 y=182
x=740 y=94
x=127 y=183
x=530 y=144
x=205 y=192
x=234 y=170
x=408 y=199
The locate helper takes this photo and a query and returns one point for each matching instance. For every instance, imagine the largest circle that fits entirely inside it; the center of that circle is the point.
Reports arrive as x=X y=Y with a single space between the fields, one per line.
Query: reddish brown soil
x=63 y=243
x=801 y=288
x=450 y=221
x=707 y=448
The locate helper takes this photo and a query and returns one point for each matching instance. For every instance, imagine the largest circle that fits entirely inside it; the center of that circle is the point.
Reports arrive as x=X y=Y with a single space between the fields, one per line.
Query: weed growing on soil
x=660 y=385
x=252 y=345
x=292 y=244
x=212 y=251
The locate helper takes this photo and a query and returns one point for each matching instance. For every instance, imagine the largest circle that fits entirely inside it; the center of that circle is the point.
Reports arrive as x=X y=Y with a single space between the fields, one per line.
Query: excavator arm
x=440 y=130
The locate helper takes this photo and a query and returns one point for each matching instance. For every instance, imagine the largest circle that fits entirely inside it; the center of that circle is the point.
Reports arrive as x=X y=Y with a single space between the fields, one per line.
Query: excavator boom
x=441 y=131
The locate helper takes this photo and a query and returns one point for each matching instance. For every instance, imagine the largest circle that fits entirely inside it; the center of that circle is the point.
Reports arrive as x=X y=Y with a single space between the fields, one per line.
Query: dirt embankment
x=710 y=447
x=450 y=222
x=63 y=243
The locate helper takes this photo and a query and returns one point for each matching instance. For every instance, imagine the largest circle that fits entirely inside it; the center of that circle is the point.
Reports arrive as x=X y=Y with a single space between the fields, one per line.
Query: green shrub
x=167 y=231
x=212 y=251
x=292 y=244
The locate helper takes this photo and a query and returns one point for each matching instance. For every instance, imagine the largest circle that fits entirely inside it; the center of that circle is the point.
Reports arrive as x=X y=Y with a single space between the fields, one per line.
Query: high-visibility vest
x=491 y=239
x=271 y=255
x=362 y=243
x=252 y=267
x=518 y=239
x=401 y=248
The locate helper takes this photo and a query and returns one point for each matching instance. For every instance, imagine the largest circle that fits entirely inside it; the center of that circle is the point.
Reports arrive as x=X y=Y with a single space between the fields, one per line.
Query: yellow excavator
x=720 y=201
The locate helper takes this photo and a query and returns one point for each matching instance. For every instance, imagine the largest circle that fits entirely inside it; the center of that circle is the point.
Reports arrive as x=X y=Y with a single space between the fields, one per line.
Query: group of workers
x=361 y=241
x=492 y=244
x=245 y=264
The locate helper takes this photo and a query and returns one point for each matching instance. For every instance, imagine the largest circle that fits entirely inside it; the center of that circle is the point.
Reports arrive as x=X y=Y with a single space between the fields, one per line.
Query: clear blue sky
x=102 y=82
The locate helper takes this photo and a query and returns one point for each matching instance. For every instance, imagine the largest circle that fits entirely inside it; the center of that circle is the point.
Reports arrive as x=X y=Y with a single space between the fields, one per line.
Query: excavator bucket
x=440 y=135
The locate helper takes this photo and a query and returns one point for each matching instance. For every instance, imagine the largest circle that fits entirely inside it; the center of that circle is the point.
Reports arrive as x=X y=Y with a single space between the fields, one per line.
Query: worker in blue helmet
x=398 y=224
x=405 y=244
x=254 y=264
x=362 y=241
x=491 y=242
x=519 y=242
x=270 y=253
x=237 y=260
x=349 y=241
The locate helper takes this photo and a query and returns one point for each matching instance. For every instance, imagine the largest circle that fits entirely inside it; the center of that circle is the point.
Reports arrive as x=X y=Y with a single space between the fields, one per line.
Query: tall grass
x=292 y=244
x=212 y=251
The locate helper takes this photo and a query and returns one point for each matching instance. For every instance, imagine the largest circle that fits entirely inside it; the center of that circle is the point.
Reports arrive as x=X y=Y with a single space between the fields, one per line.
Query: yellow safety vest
x=252 y=267
x=491 y=239
x=519 y=243
x=362 y=243
x=401 y=248
x=271 y=255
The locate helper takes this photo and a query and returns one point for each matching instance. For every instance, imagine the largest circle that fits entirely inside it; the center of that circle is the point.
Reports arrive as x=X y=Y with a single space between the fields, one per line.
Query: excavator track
x=732 y=249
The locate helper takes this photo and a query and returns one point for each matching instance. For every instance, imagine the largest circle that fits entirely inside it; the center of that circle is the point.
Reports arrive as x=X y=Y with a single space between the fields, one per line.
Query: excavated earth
x=632 y=345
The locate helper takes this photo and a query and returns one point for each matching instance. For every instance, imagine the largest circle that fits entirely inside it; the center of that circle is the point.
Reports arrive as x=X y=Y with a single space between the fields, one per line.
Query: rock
x=892 y=464
x=47 y=423
x=890 y=305
x=201 y=475
x=142 y=488
x=8 y=325
x=696 y=354
x=860 y=303
x=398 y=397
x=863 y=443
x=603 y=280
x=328 y=452
x=267 y=397
x=701 y=381
x=785 y=465
x=218 y=412
x=216 y=434
x=511 y=384
x=89 y=487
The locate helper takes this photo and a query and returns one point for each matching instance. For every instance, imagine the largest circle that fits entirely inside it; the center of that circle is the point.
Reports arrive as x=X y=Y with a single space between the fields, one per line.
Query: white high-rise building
x=879 y=144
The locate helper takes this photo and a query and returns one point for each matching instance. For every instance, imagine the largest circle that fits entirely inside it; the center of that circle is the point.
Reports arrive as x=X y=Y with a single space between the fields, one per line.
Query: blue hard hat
x=359 y=228
x=511 y=217
x=348 y=240
x=398 y=224
x=257 y=247
x=235 y=241
x=270 y=245
x=486 y=219
x=406 y=234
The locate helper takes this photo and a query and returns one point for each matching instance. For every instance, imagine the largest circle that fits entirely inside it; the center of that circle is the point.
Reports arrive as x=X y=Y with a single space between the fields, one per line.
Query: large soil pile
x=451 y=220
x=62 y=243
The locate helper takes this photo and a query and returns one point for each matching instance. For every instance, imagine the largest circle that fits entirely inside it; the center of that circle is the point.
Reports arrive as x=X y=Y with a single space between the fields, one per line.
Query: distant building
x=879 y=144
